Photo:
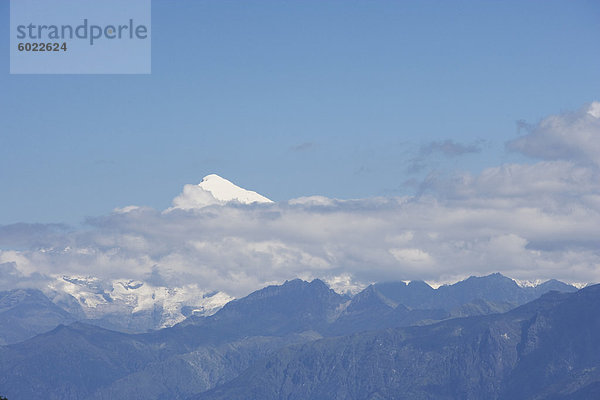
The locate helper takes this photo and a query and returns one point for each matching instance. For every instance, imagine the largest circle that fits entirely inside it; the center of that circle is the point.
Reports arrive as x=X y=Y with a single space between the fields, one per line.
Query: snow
x=537 y=282
x=344 y=284
x=214 y=190
x=528 y=283
x=126 y=297
x=224 y=190
x=580 y=285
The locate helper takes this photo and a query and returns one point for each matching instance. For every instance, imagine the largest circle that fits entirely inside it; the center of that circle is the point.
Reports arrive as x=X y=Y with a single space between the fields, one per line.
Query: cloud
x=570 y=136
x=552 y=181
x=239 y=248
x=303 y=146
x=528 y=221
x=21 y=235
x=447 y=148
x=12 y=277
x=193 y=196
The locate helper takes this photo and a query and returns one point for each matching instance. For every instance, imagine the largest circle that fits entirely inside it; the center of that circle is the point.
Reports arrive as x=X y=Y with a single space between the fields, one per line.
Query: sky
x=445 y=138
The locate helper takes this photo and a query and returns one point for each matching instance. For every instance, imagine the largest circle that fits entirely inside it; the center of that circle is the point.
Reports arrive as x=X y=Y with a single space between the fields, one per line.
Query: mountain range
x=546 y=349
x=122 y=305
x=256 y=346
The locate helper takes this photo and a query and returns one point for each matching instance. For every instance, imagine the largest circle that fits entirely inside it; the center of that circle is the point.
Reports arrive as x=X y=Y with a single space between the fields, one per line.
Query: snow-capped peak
x=133 y=303
x=224 y=190
x=215 y=190
x=528 y=283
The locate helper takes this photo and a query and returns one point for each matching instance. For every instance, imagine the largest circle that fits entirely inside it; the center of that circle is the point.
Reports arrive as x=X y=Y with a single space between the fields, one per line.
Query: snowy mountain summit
x=215 y=190
x=129 y=305
x=224 y=190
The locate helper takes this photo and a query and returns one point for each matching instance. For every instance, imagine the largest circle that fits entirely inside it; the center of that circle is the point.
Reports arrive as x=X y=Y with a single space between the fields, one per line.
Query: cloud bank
x=570 y=136
x=529 y=221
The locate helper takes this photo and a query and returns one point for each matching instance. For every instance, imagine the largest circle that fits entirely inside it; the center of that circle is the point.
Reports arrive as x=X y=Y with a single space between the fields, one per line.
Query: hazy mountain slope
x=212 y=350
x=25 y=313
x=481 y=307
x=371 y=310
x=414 y=294
x=494 y=288
x=70 y=362
x=559 y=350
x=182 y=375
x=78 y=361
x=544 y=349
x=295 y=306
x=397 y=304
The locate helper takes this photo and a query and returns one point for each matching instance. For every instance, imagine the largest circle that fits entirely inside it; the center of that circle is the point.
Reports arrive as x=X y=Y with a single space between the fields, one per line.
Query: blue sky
x=294 y=98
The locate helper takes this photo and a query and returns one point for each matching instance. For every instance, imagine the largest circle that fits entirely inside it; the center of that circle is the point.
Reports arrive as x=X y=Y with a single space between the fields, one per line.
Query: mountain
x=546 y=349
x=494 y=289
x=412 y=294
x=134 y=306
x=370 y=309
x=130 y=305
x=214 y=190
x=294 y=307
x=225 y=191
x=82 y=361
x=122 y=305
x=395 y=304
x=25 y=313
x=70 y=362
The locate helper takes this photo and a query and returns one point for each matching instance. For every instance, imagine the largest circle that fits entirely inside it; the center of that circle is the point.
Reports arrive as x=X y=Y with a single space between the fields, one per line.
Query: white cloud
x=415 y=258
x=570 y=136
x=193 y=196
x=594 y=109
x=540 y=185
x=240 y=248
x=124 y=210
x=529 y=222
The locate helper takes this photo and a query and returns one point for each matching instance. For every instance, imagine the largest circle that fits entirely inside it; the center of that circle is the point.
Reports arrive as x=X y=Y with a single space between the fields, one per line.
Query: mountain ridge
x=501 y=356
x=202 y=353
x=137 y=306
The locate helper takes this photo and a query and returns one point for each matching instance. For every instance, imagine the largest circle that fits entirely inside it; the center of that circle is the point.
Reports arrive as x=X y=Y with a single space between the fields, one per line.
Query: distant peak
x=214 y=177
x=225 y=190
x=297 y=282
x=319 y=284
x=528 y=283
x=215 y=190
x=419 y=284
x=496 y=276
